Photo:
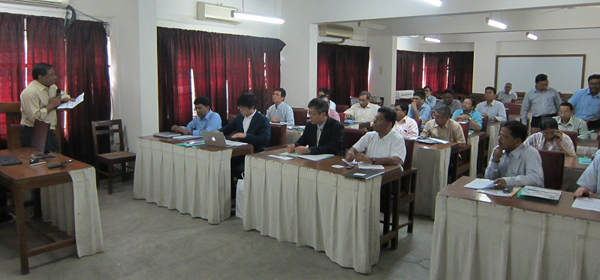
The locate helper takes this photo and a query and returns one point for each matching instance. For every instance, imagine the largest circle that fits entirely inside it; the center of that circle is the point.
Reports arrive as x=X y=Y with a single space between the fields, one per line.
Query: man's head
x=490 y=94
x=384 y=120
x=364 y=98
x=401 y=109
x=325 y=97
x=511 y=135
x=246 y=104
x=541 y=82
x=279 y=95
x=507 y=87
x=594 y=83
x=468 y=104
x=565 y=111
x=325 y=91
x=549 y=128
x=427 y=91
x=442 y=115
x=44 y=73
x=318 y=109
x=448 y=96
x=202 y=106
x=419 y=98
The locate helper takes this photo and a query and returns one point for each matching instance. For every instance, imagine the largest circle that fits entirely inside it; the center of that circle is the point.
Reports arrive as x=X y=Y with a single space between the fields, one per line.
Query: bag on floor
x=239 y=198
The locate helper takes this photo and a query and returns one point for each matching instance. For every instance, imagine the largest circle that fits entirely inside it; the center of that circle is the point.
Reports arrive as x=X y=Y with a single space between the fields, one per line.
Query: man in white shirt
x=493 y=109
x=280 y=112
x=507 y=95
x=405 y=126
x=326 y=91
x=567 y=122
x=383 y=146
x=364 y=110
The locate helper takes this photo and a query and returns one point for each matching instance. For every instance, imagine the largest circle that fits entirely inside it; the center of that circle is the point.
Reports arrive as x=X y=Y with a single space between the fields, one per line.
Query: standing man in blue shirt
x=587 y=102
x=542 y=100
x=206 y=119
x=468 y=114
x=280 y=112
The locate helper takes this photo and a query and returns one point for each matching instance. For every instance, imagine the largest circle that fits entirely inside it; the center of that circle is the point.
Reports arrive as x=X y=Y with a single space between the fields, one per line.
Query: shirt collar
x=320 y=126
x=588 y=92
x=250 y=117
x=517 y=152
x=39 y=85
x=277 y=106
x=207 y=114
x=388 y=134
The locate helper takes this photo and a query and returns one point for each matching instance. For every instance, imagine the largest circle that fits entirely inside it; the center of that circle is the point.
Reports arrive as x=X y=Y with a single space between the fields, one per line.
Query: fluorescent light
x=367 y=24
x=495 y=23
x=259 y=18
x=436 y=3
x=432 y=39
x=531 y=36
x=414 y=36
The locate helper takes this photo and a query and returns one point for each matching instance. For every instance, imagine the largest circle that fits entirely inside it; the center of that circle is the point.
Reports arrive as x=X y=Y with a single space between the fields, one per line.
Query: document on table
x=587 y=203
x=72 y=104
x=308 y=157
x=499 y=192
x=365 y=165
x=230 y=143
x=281 y=157
x=480 y=184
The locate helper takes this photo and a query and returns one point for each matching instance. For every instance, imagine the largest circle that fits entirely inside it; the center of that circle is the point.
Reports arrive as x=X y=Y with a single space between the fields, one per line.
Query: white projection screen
x=565 y=72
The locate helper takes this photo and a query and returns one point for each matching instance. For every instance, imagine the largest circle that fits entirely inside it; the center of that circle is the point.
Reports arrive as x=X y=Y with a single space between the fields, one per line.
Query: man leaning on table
x=443 y=127
x=364 y=110
x=383 y=145
x=205 y=119
x=589 y=180
x=513 y=164
x=323 y=135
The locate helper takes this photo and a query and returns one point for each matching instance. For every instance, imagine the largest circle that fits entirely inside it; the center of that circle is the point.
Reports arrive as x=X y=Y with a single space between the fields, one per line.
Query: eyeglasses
x=502 y=136
x=198 y=108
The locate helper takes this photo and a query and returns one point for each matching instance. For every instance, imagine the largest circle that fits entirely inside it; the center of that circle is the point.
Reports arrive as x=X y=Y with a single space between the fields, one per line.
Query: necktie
x=318 y=135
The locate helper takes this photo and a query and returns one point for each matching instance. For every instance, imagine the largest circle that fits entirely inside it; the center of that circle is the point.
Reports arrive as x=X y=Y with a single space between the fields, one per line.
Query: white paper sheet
x=72 y=104
x=587 y=203
x=365 y=165
x=480 y=184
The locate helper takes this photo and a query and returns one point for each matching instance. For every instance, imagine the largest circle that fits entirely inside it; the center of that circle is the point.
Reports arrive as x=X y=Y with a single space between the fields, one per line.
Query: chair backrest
x=535 y=130
x=299 y=116
x=484 y=123
x=513 y=108
x=573 y=136
x=342 y=117
x=410 y=147
x=351 y=136
x=377 y=100
x=108 y=128
x=465 y=129
x=553 y=166
x=419 y=123
x=278 y=134
x=341 y=108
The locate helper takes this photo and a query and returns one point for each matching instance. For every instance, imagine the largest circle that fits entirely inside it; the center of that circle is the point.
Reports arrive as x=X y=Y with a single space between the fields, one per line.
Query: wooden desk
x=311 y=203
x=358 y=125
x=194 y=180
x=478 y=236
x=21 y=178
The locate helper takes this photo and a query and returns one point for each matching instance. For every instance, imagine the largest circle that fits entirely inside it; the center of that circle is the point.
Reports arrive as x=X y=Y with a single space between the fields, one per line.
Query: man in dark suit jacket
x=323 y=135
x=250 y=126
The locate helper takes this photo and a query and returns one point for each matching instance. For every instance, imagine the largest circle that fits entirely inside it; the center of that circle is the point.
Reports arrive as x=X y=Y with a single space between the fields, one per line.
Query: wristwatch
x=373 y=161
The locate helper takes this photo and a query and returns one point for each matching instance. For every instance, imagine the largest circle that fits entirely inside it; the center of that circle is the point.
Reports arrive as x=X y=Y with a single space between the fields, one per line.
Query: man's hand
x=67 y=100
x=348 y=116
x=414 y=105
x=583 y=191
x=302 y=150
x=239 y=135
x=499 y=184
x=497 y=155
x=53 y=103
x=558 y=137
x=290 y=148
x=362 y=158
x=273 y=119
x=350 y=156
x=180 y=129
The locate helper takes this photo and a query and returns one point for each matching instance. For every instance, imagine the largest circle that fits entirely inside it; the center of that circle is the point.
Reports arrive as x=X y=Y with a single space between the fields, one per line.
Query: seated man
x=467 y=114
x=331 y=113
x=513 y=164
x=405 y=126
x=448 y=100
x=551 y=139
x=589 y=180
x=507 y=95
x=206 y=119
x=323 y=135
x=566 y=121
x=429 y=98
x=326 y=91
x=418 y=108
x=491 y=108
x=280 y=112
x=364 y=110
x=442 y=127
x=383 y=145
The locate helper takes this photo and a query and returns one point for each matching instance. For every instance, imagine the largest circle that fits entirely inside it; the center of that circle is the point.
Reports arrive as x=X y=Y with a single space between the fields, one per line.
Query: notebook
x=166 y=134
x=363 y=173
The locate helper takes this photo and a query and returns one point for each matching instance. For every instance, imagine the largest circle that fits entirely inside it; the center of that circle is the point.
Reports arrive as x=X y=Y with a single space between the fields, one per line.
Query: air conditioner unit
x=217 y=13
x=47 y=3
x=335 y=30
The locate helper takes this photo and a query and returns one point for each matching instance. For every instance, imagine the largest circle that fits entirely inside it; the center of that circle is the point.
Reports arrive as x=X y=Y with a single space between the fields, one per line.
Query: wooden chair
x=484 y=123
x=573 y=136
x=342 y=117
x=351 y=136
x=465 y=129
x=460 y=157
x=109 y=128
x=341 y=108
x=553 y=166
x=278 y=134
x=419 y=125
x=300 y=116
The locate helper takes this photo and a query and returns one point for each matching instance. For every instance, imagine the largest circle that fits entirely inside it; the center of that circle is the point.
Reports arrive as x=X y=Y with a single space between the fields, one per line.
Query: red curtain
x=343 y=69
x=46 y=43
x=12 y=62
x=460 y=74
x=409 y=70
x=209 y=70
x=436 y=67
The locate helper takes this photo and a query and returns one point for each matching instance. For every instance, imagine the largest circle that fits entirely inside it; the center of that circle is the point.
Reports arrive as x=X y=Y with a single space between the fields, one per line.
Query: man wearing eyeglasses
x=280 y=112
x=587 y=102
x=206 y=119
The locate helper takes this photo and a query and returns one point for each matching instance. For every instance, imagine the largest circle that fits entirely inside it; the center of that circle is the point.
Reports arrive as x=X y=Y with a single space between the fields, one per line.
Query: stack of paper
x=364 y=165
x=480 y=184
x=587 y=203
x=500 y=192
x=308 y=157
x=540 y=194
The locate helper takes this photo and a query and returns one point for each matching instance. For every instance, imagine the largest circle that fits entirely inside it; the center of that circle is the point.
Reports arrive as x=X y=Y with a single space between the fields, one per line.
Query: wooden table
x=21 y=178
x=311 y=203
x=479 y=236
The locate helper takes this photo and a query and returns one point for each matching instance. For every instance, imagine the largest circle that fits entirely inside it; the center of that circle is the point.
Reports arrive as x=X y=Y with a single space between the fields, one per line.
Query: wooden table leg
x=395 y=191
x=21 y=229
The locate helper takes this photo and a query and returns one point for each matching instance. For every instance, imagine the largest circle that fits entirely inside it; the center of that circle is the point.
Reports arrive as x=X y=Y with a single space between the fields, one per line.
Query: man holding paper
x=39 y=101
x=383 y=146
x=589 y=180
x=323 y=135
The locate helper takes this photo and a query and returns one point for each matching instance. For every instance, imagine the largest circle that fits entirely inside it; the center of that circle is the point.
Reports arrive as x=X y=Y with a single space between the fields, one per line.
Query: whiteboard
x=565 y=72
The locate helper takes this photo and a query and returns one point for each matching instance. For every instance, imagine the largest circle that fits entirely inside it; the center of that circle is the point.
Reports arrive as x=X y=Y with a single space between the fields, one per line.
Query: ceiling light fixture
x=531 y=36
x=436 y=3
x=432 y=39
x=495 y=23
x=253 y=17
x=367 y=24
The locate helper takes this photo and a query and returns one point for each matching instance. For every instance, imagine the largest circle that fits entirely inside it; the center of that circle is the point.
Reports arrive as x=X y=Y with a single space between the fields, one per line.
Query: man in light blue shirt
x=542 y=101
x=429 y=98
x=587 y=102
x=490 y=107
x=589 y=180
x=418 y=108
x=467 y=114
x=280 y=112
x=206 y=119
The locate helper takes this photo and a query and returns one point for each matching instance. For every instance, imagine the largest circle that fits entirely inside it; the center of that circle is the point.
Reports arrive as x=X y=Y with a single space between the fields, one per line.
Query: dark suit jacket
x=332 y=138
x=258 y=134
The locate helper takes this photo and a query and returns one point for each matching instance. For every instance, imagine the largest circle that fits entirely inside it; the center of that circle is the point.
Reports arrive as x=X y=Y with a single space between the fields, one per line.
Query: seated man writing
x=383 y=145
x=589 y=180
x=512 y=163
x=323 y=135
x=206 y=119
x=551 y=139
x=443 y=127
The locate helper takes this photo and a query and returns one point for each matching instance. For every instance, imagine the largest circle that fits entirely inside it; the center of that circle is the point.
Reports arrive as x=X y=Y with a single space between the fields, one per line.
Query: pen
x=38 y=163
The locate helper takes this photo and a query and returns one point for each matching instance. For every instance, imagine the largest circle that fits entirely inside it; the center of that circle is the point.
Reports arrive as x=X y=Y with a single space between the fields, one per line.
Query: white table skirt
x=192 y=181
x=73 y=207
x=492 y=130
x=431 y=178
x=474 y=142
x=323 y=210
x=474 y=240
